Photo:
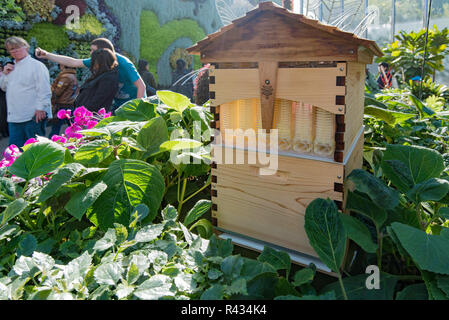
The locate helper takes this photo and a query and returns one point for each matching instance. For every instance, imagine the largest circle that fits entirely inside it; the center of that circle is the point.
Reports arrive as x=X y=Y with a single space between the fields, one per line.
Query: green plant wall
x=156 y=38
x=49 y=36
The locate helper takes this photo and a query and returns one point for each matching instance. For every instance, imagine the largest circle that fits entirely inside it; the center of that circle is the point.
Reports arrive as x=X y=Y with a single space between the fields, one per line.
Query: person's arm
x=141 y=88
x=64 y=60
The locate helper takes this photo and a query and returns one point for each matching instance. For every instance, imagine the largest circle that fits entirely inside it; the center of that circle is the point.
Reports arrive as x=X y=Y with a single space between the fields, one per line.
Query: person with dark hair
x=131 y=84
x=181 y=83
x=3 y=108
x=64 y=91
x=147 y=76
x=99 y=90
x=385 y=79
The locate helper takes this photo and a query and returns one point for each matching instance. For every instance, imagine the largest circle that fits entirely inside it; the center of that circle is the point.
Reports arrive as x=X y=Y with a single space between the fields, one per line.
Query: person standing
x=181 y=81
x=99 y=90
x=147 y=76
x=3 y=111
x=131 y=85
x=64 y=91
x=28 y=93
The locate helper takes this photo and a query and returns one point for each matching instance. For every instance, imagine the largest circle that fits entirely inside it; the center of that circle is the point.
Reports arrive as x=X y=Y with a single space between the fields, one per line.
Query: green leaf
x=174 y=100
x=303 y=276
x=263 y=286
x=149 y=233
x=94 y=152
x=107 y=241
x=429 y=190
x=180 y=145
x=366 y=207
x=200 y=208
x=413 y=292
x=429 y=252
x=61 y=176
x=141 y=211
x=123 y=291
x=152 y=135
x=252 y=268
x=39 y=159
x=14 y=209
x=185 y=282
x=443 y=284
x=215 y=292
x=389 y=116
x=356 y=289
x=204 y=227
x=155 y=288
x=81 y=201
x=133 y=274
x=325 y=232
x=121 y=233
x=284 y=287
x=108 y=273
x=232 y=266
x=280 y=260
x=407 y=166
x=238 y=286
x=8 y=231
x=27 y=245
x=169 y=213
x=130 y=183
x=358 y=232
x=219 y=248
x=137 y=110
x=444 y=213
x=374 y=188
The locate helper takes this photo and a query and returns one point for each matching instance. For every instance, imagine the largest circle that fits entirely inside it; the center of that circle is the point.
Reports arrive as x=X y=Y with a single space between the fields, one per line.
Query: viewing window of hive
x=304 y=128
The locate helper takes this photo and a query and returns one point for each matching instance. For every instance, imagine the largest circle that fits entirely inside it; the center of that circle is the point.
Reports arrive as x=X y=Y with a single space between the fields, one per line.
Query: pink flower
x=30 y=141
x=80 y=112
x=80 y=121
x=6 y=163
x=91 y=124
x=71 y=132
x=11 y=152
x=102 y=112
x=57 y=138
x=64 y=114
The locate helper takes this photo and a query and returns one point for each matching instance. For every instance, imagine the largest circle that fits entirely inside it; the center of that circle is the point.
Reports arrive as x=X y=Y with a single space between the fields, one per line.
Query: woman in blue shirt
x=131 y=85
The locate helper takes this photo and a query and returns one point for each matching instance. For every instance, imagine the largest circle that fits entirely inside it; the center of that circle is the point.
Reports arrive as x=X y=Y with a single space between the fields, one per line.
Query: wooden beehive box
x=274 y=69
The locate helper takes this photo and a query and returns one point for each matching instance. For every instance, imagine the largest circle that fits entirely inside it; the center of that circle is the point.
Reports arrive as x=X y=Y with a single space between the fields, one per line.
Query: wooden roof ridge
x=270 y=6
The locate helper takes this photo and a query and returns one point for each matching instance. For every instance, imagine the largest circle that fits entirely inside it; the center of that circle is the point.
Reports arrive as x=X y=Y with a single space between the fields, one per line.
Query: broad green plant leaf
x=215 y=292
x=325 y=232
x=108 y=273
x=61 y=176
x=303 y=276
x=232 y=266
x=152 y=135
x=108 y=241
x=155 y=288
x=39 y=159
x=374 y=188
x=356 y=288
x=358 y=232
x=14 y=209
x=407 y=166
x=413 y=292
x=80 y=202
x=149 y=233
x=200 y=208
x=204 y=227
x=130 y=183
x=8 y=231
x=27 y=245
x=430 y=190
x=366 y=207
x=180 y=145
x=389 y=116
x=174 y=100
x=94 y=152
x=137 y=110
x=429 y=252
x=280 y=260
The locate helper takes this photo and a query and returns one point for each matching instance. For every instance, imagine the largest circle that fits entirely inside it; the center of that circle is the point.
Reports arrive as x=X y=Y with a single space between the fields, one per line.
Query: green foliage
x=49 y=36
x=155 y=38
x=406 y=55
x=9 y=10
x=41 y=7
x=89 y=23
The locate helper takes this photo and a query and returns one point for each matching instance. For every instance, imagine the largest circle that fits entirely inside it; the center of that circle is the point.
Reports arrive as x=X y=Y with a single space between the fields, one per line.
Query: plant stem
x=419 y=215
x=340 y=280
x=24 y=188
x=7 y=196
x=181 y=200
x=379 y=250
x=198 y=191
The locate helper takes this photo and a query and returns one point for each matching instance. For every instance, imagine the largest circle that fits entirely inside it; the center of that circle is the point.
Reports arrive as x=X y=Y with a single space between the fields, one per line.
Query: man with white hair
x=28 y=93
